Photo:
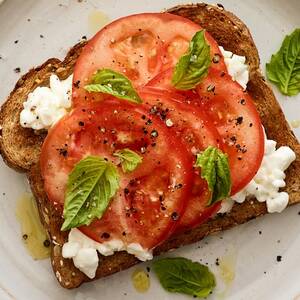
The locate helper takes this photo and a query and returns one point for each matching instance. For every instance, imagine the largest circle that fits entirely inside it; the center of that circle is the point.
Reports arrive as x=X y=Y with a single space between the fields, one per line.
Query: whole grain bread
x=20 y=148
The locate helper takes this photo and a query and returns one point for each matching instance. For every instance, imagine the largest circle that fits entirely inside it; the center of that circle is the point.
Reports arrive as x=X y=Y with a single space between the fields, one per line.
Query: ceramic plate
x=32 y=31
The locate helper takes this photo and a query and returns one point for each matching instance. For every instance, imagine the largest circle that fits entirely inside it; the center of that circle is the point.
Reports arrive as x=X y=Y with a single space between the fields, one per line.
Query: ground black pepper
x=174 y=216
x=105 y=235
x=47 y=243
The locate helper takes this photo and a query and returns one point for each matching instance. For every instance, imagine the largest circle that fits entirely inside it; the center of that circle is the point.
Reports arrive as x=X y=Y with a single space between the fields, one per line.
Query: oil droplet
x=96 y=20
x=140 y=281
x=295 y=123
x=226 y=268
x=33 y=235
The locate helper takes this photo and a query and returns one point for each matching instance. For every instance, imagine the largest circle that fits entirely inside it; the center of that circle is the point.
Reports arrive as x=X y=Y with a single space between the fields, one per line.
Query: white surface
x=252 y=253
x=269 y=178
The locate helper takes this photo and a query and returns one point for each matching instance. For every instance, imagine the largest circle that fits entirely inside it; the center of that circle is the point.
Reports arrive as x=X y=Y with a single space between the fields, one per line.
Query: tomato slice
x=139 y=46
x=193 y=128
x=236 y=118
x=234 y=115
x=151 y=198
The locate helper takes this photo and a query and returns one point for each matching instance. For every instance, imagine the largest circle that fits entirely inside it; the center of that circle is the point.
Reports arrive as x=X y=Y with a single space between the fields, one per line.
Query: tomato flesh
x=232 y=112
x=236 y=118
x=138 y=46
x=144 y=207
x=188 y=124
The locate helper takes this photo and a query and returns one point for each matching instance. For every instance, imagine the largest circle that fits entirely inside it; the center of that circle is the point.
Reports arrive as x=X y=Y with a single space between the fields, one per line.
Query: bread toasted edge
x=20 y=147
x=66 y=273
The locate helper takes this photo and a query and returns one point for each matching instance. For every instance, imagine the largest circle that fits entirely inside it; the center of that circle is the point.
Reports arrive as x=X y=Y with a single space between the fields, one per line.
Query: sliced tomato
x=151 y=198
x=192 y=127
x=139 y=46
x=233 y=114
x=236 y=118
x=163 y=82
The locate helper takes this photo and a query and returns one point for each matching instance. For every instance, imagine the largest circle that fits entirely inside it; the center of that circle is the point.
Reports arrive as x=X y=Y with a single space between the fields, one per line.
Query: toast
x=20 y=147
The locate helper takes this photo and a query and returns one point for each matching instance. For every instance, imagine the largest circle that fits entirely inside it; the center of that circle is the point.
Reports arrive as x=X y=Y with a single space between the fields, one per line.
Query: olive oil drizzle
x=33 y=233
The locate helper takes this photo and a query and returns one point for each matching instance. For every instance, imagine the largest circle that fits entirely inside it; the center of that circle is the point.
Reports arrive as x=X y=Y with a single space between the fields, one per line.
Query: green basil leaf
x=284 y=68
x=215 y=170
x=181 y=275
x=110 y=82
x=193 y=66
x=129 y=159
x=90 y=187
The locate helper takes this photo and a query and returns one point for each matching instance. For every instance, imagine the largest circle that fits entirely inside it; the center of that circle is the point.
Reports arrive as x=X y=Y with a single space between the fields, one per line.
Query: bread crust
x=20 y=148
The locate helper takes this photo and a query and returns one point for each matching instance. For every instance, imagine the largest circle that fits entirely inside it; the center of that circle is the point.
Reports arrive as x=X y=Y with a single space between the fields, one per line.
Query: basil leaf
x=181 y=275
x=110 y=82
x=193 y=66
x=129 y=159
x=215 y=170
x=91 y=185
x=284 y=68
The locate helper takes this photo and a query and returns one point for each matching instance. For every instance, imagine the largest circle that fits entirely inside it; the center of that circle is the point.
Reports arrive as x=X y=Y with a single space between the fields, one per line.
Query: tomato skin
x=139 y=46
x=236 y=118
x=225 y=103
x=193 y=128
x=102 y=128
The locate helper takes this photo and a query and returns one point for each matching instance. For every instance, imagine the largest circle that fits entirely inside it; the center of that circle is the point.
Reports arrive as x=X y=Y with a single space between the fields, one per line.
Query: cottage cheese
x=46 y=105
x=268 y=180
x=236 y=67
x=83 y=251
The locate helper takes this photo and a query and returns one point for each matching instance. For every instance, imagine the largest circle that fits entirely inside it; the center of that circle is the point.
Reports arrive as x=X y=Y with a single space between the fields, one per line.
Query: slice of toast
x=20 y=148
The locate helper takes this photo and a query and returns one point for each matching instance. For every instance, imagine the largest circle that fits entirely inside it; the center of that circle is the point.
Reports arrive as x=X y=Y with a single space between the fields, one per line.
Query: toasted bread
x=20 y=148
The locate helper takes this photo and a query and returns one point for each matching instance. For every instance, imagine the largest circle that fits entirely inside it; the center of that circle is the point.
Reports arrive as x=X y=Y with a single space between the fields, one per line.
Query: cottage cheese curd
x=236 y=67
x=83 y=251
x=46 y=105
x=268 y=180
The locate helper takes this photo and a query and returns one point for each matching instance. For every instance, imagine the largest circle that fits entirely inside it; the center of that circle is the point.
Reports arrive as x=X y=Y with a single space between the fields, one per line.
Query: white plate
x=253 y=256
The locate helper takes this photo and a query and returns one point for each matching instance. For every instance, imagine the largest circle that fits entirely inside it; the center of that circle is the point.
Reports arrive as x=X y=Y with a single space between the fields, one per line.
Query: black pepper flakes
x=279 y=258
x=217 y=262
x=77 y=84
x=260 y=232
x=105 y=235
x=25 y=237
x=126 y=191
x=46 y=243
x=243 y=101
x=178 y=186
x=17 y=70
x=239 y=120
x=211 y=88
x=41 y=36
x=63 y=152
x=149 y=122
x=80 y=123
x=16 y=41
x=174 y=216
x=148 y=269
x=220 y=6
